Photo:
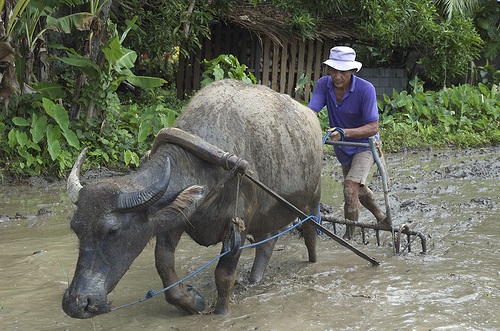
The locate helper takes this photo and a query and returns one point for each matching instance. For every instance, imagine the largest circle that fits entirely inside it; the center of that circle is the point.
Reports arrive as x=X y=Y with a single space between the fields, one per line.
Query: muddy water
x=452 y=197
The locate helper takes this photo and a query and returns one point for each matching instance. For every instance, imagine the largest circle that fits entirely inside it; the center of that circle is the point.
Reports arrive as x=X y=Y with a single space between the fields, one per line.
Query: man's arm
x=365 y=131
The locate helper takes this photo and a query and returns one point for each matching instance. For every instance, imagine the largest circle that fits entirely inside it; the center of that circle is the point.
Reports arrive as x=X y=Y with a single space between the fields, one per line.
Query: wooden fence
x=277 y=65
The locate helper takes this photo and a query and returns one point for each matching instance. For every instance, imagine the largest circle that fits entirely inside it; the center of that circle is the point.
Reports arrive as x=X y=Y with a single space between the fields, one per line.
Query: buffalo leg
x=225 y=276
x=310 y=238
x=263 y=254
x=184 y=297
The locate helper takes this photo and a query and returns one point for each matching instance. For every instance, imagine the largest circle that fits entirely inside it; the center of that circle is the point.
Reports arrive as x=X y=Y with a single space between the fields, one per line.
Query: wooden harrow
x=396 y=231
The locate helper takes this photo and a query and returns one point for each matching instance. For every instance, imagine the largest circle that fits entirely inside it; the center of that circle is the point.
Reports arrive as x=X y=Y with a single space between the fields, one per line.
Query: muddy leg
x=310 y=237
x=182 y=296
x=351 y=206
x=225 y=275
x=367 y=199
x=263 y=254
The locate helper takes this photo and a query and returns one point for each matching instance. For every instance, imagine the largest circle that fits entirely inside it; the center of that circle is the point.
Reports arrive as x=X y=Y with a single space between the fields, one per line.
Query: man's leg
x=356 y=192
x=367 y=199
x=351 y=206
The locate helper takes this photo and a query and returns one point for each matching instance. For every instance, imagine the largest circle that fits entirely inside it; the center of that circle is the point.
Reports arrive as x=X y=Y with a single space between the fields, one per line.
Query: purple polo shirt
x=357 y=108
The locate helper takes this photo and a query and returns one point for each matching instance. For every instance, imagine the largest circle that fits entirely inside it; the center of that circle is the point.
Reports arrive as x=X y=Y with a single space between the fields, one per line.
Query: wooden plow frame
x=395 y=231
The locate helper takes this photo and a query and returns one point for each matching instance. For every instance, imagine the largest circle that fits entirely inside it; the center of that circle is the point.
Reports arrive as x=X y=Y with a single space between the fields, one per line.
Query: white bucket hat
x=343 y=58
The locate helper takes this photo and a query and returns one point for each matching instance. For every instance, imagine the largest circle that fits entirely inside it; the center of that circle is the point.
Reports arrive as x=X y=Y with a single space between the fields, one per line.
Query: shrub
x=463 y=115
x=40 y=139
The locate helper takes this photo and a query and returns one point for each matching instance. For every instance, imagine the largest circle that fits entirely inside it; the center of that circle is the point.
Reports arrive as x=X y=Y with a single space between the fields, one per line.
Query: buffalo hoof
x=221 y=309
x=192 y=302
x=254 y=279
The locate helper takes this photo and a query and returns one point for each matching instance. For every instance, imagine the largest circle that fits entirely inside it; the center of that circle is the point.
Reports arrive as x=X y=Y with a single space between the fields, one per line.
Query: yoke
x=199 y=147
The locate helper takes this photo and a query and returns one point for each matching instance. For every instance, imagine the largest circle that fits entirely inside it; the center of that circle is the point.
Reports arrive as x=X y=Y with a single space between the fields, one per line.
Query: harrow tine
x=403 y=229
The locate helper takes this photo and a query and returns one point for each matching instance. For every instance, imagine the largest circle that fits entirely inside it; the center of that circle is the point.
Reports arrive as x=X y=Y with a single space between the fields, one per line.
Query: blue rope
x=342 y=135
x=325 y=138
x=152 y=293
x=317 y=219
x=341 y=131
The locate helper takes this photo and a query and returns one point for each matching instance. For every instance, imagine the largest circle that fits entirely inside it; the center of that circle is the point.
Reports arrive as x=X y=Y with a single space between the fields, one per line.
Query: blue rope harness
x=341 y=131
x=317 y=218
x=337 y=129
x=152 y=293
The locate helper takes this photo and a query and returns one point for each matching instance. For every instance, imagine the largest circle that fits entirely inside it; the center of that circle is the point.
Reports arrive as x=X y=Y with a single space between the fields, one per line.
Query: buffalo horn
x=145 y=198
x=73 y=185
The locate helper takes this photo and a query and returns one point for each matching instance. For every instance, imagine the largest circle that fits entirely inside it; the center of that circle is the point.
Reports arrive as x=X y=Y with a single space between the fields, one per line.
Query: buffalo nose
x=83 y=306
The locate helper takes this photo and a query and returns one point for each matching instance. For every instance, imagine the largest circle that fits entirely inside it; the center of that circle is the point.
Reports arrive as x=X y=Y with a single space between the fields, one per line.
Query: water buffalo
x=177 y=191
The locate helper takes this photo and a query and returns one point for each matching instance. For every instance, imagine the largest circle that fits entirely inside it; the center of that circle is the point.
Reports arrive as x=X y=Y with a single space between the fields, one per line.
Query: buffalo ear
x=183 y=205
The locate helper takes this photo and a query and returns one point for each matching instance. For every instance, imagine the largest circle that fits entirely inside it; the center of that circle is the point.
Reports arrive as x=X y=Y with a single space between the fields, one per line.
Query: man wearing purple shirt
x=353 y=114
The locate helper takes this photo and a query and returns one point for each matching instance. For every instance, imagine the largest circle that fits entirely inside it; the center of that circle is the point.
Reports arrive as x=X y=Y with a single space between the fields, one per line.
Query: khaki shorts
x=359 y=169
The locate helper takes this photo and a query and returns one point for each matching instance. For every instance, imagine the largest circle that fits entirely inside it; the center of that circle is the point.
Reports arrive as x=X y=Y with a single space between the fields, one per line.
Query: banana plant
x=9 y=85
x=116 y=69
x=11 y=15
x=31 y=32
x=119 y=61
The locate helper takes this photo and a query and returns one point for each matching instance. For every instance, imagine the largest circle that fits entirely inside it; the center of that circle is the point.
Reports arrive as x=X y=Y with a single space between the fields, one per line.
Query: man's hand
x=334 y=135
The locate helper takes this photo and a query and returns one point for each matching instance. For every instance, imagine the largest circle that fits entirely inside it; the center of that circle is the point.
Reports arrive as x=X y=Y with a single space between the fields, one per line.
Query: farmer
x=352 y=110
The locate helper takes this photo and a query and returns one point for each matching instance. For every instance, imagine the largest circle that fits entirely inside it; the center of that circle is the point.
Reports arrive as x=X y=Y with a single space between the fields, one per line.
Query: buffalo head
x=114 y=221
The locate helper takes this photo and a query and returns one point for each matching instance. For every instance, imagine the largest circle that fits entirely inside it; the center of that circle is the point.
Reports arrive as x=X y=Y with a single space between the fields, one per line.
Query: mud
x=451 y=196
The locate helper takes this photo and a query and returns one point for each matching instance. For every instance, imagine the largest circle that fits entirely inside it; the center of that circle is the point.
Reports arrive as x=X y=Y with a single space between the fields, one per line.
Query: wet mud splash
x=451 y=196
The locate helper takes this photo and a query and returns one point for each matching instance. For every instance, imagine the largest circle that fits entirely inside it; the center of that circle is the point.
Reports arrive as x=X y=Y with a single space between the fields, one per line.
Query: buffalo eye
x=114 y=232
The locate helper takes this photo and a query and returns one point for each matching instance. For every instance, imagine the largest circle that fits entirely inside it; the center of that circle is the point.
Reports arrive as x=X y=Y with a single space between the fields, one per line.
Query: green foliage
x=302 y=83
x=39 y=139
x=445 y=48
x=38 y=143
x=324 y=120
x=463 y=116
x=129 y=128
x=42 y=141
x=119 y=62
x=163 y=25
x=488 y=23
x=30 y=17
x=488 y=75
x=13 y=18
x=450 y=8
x=398 y=32
x=303 y=23
x=125 y=134
x=226 y=66
x=304 y=17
